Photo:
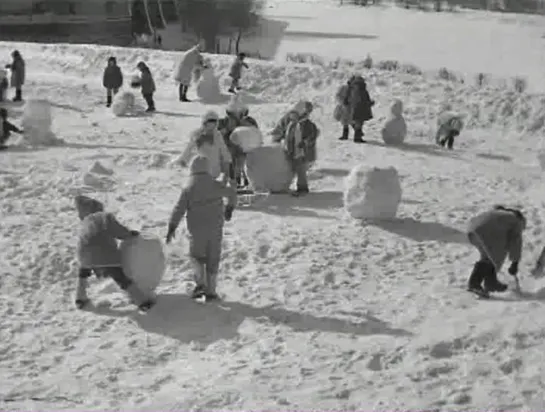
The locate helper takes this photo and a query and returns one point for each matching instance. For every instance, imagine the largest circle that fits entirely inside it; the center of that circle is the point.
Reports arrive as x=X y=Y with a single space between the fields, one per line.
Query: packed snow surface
x=320 y=311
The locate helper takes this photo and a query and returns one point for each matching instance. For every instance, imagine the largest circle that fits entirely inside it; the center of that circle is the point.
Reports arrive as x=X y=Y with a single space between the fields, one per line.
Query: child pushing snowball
x=98 y=252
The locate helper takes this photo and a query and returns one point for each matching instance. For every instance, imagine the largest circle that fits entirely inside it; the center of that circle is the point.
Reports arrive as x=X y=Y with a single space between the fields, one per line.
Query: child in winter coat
x=148 y=85
x=4 y=85
x=342 y=110
x=98 y=251
x=208 y=142
x=17 y=68
x=7 y=128
x=496 y=234
x=449 y=127
x=202 y=200
x=299 y=135
x=359 y=107
x=236 y=72
x=112 y=79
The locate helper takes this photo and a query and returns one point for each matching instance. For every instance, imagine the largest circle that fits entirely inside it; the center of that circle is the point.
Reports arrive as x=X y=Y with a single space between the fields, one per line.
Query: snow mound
x=99 y=169
x=36 y=123
x=395 y=128
x=123 y=103
x=247 y=138
x=372 y=193
x=268 y=169
x=144 y=261
x=208 y=87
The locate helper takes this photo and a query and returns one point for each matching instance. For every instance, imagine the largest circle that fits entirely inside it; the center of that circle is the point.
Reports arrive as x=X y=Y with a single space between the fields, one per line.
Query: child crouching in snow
x=98 y=251
x=202 y=200
x=496 y=234
x=298 y=134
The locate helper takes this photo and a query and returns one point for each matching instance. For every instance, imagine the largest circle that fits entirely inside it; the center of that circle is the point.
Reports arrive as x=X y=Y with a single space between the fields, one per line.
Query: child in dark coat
x=496 y=234
x=236 y=72
x=112 y=80
x=202 y=200
x=4 y=85
x=148 y=85
x=17 y=68
x=299 y=135
x=7 y=128
x=98 y=252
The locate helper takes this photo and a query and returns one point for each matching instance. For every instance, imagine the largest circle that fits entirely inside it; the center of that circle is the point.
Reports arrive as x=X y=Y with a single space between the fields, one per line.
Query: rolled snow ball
x=372 y=193
x=208 y=86
x=123 y=103
x=394 y=131
x=136 y=81
x=247 y=138
x=37 y=121
x=143 y=260
x=268 y=169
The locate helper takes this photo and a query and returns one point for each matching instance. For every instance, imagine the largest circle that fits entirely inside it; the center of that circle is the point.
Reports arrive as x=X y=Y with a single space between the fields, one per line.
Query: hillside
x=321 y=312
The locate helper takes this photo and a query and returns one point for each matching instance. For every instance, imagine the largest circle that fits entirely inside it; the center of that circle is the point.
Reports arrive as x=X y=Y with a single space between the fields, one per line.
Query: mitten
x=135 y=233
x=228 y=212
x=514 y=268
x=171 y=234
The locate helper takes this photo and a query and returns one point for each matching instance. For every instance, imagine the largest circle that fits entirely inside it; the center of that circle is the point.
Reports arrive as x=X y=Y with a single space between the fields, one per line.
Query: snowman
x=208 y=85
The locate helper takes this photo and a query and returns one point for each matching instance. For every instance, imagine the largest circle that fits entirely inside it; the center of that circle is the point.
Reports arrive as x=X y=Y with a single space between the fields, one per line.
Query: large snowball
x=208 y=87
x=247 y=138
x=123 y=103
x=143 y=260
x=268 y=169
x=36 y=123
x=372 y=193
x=394 y=131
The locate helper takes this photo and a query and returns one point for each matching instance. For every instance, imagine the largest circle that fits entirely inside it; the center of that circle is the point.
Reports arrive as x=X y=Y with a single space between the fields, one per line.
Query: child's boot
x=199 y=274
x=358 y=136
x=81 y=293
x=139 y=298
x=346 y=132
x=108 y=100
x=211 y=286
x=18 y=95
x=491 y=282
x=476 y=279
x=184 y=94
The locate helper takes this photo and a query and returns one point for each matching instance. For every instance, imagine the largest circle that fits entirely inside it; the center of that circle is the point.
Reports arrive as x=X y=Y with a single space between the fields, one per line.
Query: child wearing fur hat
x=208 y=142
x=236 y=72
x=299 y=135
x=148 y=85
x=6 y=128
x=202 y=201
x=98 y=252
x=112 y=79
x=496 y=234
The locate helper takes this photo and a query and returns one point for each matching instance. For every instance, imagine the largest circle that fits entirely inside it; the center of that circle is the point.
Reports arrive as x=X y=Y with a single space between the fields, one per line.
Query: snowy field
x=321 y=312
x=465 y=41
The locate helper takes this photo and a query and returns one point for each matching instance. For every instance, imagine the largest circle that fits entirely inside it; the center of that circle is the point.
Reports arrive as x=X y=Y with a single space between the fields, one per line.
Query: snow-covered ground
x=321 y=312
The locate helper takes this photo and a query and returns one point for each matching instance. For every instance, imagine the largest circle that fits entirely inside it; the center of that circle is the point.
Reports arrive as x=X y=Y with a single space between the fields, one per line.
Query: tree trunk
x=237 y=43
x=209 y=42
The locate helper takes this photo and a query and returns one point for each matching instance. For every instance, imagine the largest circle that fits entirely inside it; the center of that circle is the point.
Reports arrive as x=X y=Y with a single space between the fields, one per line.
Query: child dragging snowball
x=202 y=201
x=496 y=234
x=98 y=252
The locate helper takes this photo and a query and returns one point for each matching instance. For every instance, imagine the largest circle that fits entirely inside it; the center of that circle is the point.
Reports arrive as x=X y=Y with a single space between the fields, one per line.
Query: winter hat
x=199 y=166
x=298 y=108
x=112 y=59
x=86 y=206
x=210 y=115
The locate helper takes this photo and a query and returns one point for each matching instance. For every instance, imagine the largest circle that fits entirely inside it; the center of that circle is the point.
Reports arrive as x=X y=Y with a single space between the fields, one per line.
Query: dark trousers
x=449 y=139
x=18 y=94
x=110 y=93
x=300 y=167
x=148 y=97
x=114 y=272
x=182 y=91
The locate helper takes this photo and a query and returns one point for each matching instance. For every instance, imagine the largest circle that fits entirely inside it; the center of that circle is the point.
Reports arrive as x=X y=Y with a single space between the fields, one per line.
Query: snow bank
x=268 y=169
x=144 y=261
x=372 y=193
x=123 y=103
